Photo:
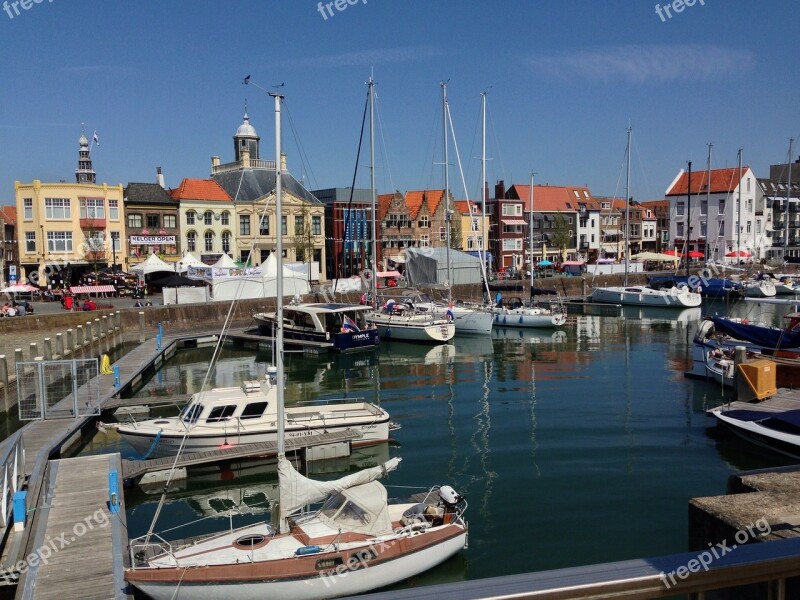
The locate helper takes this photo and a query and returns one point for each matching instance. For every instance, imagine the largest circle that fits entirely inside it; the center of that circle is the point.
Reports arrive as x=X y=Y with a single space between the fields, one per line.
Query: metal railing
x=12 y=466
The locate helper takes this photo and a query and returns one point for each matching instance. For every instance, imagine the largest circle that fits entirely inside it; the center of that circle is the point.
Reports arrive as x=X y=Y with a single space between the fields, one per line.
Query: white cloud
x=645 y=63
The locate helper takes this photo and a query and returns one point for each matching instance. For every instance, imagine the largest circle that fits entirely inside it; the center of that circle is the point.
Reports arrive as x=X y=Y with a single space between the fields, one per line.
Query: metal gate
x=58 y=389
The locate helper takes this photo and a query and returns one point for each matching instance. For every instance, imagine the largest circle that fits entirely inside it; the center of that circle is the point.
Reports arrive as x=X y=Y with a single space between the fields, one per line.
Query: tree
x=562 y=234
x=303 y=240
x=455 y=231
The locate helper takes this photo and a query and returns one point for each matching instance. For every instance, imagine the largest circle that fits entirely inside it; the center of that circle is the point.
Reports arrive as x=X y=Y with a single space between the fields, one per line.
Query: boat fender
x=520 y=318
x=745 y=322
x=308 y=550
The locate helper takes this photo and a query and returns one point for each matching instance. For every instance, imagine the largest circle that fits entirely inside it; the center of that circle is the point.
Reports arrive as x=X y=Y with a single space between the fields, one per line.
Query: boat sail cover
x=766 y=337
x=297 y=491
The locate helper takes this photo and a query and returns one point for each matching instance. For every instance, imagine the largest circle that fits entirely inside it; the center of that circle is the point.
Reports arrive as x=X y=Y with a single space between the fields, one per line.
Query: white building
x=719 y=219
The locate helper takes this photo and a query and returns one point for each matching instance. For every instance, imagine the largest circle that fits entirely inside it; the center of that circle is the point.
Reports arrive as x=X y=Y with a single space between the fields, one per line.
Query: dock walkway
x=79 y=541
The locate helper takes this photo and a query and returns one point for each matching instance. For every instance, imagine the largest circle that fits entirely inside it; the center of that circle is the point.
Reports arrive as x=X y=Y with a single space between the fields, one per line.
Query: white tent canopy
x=153 y=264
x=225 y=262
x=428 y=266
x=188 y=260
x=655 y=256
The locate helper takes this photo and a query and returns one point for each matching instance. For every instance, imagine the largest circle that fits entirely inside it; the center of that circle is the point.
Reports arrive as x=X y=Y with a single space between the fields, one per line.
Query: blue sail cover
x=766 y=337
x=712 y=286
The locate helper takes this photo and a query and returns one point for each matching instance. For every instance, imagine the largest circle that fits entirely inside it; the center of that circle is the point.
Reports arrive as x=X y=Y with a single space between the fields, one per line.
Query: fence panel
x=58 y=389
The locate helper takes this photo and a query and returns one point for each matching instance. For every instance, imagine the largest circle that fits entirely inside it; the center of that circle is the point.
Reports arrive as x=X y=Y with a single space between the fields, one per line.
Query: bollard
x=158 y=343
x=88 y=332
x=70 y=340
x=141 y=328
x=48 y=349
x=104 y=326
x=96 y=329
x=160 y=330
x=60 y=345
x=79 y=341
x=18 y=358
x=117 y=381
x=34 y=351
x=117 y=320
x=113 y=492
x=20 y=510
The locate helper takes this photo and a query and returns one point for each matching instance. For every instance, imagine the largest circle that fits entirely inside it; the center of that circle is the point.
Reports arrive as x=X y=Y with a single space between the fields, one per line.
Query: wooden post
x=117 y=320
x=104 y=325
x=60 y=345
x=79 y=342
x=141 y=327
x=18 y=358
x=34 y=350
x=70 y=340
x=48 y=349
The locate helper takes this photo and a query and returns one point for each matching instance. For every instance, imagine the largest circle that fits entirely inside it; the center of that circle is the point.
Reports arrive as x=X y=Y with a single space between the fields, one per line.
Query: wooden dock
x=135 y=468
x=80 y=542
x=785 y=399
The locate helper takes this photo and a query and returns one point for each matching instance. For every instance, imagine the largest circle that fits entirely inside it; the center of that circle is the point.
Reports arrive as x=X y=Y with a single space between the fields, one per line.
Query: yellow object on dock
x=760 y=375
x=105 y=365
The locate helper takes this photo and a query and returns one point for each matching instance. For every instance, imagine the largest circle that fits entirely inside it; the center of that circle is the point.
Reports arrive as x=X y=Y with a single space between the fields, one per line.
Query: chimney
x=500 y=189
x=160 y=177
x=283 y=163
x=214 y=164
x=245 y=156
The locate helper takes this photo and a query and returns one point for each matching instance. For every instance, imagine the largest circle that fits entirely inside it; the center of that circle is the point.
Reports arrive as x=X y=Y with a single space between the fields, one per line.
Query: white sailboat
x=401 y=320
x=642 y=295
x=354 y=543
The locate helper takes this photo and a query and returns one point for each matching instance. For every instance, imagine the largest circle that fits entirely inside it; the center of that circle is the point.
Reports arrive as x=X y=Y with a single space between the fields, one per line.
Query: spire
x=245 y=138
x=84 y=173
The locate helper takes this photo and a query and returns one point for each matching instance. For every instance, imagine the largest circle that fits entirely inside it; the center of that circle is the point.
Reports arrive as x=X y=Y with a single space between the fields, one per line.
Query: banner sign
x=151 y=240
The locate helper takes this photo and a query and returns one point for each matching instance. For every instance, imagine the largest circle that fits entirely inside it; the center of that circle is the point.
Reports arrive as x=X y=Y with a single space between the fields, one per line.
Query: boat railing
x=309 y=403
x=142 y=552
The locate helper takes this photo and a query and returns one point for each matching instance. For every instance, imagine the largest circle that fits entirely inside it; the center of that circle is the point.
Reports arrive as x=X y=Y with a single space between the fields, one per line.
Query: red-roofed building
x=706 y=214
x=659 y=209
x=472 y=228
x=206 y=218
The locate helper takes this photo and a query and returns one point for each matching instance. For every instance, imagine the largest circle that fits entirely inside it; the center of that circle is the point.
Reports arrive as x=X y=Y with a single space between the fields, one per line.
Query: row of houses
x=59 y=231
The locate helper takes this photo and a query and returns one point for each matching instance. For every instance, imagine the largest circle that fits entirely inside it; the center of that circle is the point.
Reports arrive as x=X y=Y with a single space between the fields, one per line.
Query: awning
x=92 y=289
x=514 y=222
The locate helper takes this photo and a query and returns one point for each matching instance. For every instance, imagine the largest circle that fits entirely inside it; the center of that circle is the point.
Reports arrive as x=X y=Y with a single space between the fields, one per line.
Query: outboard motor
x=449 y=497
x=272 y=375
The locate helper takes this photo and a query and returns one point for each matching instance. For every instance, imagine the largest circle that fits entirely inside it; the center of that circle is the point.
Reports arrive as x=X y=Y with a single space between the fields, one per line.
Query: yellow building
x=65 y=229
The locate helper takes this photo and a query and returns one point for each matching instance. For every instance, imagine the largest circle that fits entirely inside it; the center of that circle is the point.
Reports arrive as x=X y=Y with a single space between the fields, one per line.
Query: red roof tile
x=722 y=180
x=384 y=202
x=200 y=189
x=9 y=214
x=415 y=199
x=463 y=207
x=551 y=198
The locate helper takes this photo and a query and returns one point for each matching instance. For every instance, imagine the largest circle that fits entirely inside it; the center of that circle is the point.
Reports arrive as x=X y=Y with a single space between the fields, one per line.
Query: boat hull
x=412 y=328
x=642 y=296
x=398 y=559
x=344 y=341
x=466 y=320
x=783 y=443
x=527 y=318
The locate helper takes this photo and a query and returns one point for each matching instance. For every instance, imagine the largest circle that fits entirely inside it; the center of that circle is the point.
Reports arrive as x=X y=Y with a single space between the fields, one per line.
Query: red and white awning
x=92 y=289
x=514 y=222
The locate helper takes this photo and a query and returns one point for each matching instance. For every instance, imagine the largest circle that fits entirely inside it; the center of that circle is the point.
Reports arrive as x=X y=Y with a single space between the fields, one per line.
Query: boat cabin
x=245 y=403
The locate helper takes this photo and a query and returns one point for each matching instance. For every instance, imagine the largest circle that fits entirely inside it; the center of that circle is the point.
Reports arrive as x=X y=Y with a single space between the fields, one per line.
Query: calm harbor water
x=577 y=446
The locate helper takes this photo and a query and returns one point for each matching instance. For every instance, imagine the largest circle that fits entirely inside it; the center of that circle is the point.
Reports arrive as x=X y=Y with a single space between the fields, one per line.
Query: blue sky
x=161 y=84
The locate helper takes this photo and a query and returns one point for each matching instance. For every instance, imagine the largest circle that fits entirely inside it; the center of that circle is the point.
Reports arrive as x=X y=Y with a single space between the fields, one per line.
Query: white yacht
x=641 y=295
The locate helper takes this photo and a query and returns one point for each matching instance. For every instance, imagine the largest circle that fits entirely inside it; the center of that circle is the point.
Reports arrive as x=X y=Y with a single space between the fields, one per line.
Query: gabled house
x=206 y=218
x=659 y=209
x=10 y=258
x=152 y=220
x=707 y=215
x=473 y=227
x=396 y=229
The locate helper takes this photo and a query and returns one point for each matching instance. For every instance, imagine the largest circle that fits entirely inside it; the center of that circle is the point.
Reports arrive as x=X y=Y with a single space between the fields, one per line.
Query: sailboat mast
x=374 y=249
x=484 y=233
x=627 y=206
x=786 y=212
x=530 y=235
x=708 y=195
x=686 y=246
x=279 y=276
x=446 y=193
x=739 y=212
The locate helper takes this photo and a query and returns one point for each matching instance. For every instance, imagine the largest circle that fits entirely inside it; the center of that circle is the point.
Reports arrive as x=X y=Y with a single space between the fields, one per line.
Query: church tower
x=84 y=173
x=247 y=139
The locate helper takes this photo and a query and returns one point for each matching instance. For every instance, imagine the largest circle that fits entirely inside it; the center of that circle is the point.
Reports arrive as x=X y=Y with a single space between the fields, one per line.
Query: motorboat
x=640 y=295
x=713 y=287
x=337 y=327
x=778 y=431
x=231 y=416
x=514 y=313
x=402 y=321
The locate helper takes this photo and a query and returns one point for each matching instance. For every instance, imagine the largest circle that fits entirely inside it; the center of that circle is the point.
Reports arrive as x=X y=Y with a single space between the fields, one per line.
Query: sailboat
x=402 y=320
x=466 y=319
x=514 y=313
x=642 y=295
x=357 y=541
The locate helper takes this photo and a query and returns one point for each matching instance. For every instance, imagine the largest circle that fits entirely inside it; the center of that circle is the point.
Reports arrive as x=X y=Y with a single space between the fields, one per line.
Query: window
x=191 y=241
x=134 y=221
x=92 y=208
x=226 y=218
x=703 y=228
x=115 y=241
x=27 y=209
x=57 y=208
x=283 y=225
x=512 y=210
x=153 y=221
x=748 y=184
x=190 y=214
x=577 y=195
x=30 y=241
x=263 y=227
x=749 y=227
x=244 y=224
x=191 y=413
x=113 y=210
x=226 y=241
x=679 y=229
x=474 y=226
x=316 y=225
x=208 y=241
x=703 y=207
x=570 y=220
x=59 y=241
x=722 y=206
x=95 y=241
x=221 y=413
x=299 y=227
x=424 y=221
x=758 y=225
x=208 y=217
x=253 y=410
x=721 y=229
x=170 y=222
x=750 y=205
x=442 y=234
x=679 y=209
x=586 y=194
x=423 y=241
